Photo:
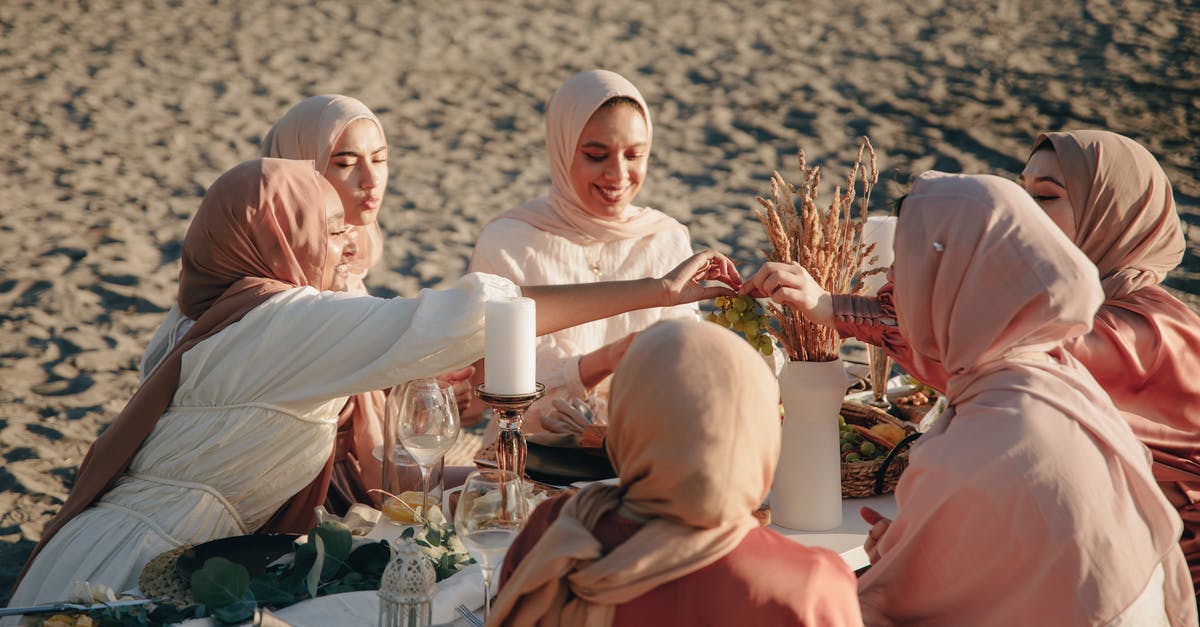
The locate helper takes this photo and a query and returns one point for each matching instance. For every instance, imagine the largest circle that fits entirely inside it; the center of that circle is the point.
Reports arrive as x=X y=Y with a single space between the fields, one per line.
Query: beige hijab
x=260 y=230
x=986 y=284
x=1125 y=218
x=694 y=437
x=309 y=131
x=561 y=212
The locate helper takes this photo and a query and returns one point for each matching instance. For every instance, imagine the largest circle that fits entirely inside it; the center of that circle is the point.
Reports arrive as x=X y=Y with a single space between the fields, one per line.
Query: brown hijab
x=260 y=230
x=694 y=437
x=1125 y=217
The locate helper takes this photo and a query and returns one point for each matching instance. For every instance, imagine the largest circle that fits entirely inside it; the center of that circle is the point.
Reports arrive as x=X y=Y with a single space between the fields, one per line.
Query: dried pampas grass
x=826 y=242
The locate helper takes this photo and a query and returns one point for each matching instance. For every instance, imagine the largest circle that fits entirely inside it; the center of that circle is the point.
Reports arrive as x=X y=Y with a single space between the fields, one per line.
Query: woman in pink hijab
x=587 y=229
x=1111 y=198
x=1030 y=501
x=232 y=433
x=694 y=436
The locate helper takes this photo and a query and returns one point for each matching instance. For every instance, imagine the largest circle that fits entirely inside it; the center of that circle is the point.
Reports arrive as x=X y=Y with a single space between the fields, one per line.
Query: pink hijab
x=694 y=436
x=1125 y=217
x=260 y=230
x=1030 y=501
x=561 y=212
x=309 y=131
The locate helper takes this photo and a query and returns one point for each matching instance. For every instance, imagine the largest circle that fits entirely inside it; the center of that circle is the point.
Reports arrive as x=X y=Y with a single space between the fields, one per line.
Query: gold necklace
x=595 y=268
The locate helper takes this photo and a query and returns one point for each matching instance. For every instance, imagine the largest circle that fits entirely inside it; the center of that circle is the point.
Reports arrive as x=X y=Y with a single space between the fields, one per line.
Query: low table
x=848 y=539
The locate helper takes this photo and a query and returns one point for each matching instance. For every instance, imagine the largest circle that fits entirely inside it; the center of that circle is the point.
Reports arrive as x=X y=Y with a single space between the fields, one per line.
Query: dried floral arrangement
x=826 y=242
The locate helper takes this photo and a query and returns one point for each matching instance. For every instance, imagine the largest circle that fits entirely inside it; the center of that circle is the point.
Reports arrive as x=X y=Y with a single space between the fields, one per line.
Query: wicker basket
x=878 y=476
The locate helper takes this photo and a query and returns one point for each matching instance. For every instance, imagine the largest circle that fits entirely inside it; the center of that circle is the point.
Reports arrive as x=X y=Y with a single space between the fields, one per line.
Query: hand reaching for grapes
x=790 y=284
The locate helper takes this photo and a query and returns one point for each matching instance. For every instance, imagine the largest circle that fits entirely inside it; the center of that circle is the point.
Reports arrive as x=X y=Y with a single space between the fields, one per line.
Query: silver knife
x=75 y=607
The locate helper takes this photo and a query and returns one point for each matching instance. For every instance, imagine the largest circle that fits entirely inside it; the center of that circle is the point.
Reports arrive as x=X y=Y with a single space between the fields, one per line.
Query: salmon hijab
x=694 y=437
x=561 y=211
x=260 y=230
x=309 y=131
x=1125 y=217
x=986 y=284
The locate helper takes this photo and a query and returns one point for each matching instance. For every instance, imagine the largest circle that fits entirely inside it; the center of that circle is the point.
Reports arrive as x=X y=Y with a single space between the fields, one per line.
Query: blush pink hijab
x=1030 y=501
x=561 y=211
x=694 y=436
x=260 y=230
x=310 y=130
x=1125 y=217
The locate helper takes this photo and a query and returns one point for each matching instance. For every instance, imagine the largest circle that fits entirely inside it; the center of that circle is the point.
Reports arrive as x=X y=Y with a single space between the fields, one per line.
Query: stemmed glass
x=491 y=511
x=424 y=418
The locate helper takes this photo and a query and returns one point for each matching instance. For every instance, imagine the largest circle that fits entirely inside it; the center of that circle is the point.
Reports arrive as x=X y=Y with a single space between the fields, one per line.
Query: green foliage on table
x=325 y=564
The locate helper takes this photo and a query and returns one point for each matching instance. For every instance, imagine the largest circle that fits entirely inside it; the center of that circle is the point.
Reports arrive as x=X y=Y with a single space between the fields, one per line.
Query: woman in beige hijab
x=694 y=436
x=587 y=229
x=232 y=433
x=1030 y=501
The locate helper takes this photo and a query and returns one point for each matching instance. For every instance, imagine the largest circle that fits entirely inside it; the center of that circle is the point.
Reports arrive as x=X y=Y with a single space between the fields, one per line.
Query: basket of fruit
x=874 y=450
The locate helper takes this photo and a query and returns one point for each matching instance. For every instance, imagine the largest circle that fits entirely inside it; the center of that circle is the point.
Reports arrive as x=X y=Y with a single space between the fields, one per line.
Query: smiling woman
x=586 y=229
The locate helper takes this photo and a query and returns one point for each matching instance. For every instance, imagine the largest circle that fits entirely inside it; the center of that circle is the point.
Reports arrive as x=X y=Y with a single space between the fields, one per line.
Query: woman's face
x=1043 y=179
x=341 y=249
x=358 y=171
x=610 y=160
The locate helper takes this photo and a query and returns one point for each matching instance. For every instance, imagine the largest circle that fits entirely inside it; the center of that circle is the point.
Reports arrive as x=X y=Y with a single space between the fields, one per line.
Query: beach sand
x=118 y=115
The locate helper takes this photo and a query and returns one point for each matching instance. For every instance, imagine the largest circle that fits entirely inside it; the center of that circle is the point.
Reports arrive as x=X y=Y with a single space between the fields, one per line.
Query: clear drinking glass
x=424 y=420
x=490 y=513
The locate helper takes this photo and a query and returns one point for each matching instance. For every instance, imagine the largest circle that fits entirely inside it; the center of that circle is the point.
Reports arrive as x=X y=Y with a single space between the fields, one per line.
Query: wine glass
x=425 y=421
x=491 y=511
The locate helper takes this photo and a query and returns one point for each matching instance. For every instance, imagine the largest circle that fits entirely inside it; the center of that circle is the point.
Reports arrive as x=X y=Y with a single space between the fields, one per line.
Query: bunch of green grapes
x=744 y=315
x=855 y=447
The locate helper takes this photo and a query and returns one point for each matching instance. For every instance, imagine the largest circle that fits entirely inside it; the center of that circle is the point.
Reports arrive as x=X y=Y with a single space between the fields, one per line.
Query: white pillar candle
x=510 y=335
x=881 y=231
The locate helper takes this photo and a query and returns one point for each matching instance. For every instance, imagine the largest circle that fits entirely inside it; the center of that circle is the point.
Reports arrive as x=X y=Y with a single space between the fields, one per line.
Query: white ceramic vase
x=807 y=495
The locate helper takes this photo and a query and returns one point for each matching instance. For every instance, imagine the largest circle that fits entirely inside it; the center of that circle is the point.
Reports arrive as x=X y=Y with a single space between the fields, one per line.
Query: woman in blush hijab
x=1110 y=196
x=1030 y=501
x=694 y=436
x=586 y=229
x=233 y=432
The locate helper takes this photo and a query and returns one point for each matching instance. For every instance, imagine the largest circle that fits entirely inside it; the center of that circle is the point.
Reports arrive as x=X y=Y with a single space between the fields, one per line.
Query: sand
x=118 y=115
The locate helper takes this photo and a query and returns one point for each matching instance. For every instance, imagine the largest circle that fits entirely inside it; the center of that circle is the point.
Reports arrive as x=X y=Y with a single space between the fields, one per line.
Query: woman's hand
x=684 y=284
x=598 y=364
x=568 y=419
x=790 y=284
x=879 y=525
x=460 y=380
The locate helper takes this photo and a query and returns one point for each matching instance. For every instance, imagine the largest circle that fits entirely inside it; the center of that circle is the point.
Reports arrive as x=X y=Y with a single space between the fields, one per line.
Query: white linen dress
x=253 y=422
x=529 y=256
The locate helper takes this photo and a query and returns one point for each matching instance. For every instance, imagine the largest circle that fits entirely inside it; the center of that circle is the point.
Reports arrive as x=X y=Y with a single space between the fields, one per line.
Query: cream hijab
x=561 y=212
x=309 y=131
x=1125 y=217
x=694 y=437
x=987 y=285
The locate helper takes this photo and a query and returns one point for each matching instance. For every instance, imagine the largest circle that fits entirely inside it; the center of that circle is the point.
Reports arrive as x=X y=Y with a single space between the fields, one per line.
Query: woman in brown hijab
x=694 y=437
x=240 y=417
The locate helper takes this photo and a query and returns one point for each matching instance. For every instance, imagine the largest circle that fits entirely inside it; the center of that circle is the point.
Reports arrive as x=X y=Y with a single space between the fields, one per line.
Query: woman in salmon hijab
x=694 y=436
x=1110 y=196
x=232 y=433
x=587 y=229
x=1030 y=501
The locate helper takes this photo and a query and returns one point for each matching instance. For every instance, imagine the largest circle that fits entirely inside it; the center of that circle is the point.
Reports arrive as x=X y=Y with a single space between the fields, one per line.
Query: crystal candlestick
x=510 y=411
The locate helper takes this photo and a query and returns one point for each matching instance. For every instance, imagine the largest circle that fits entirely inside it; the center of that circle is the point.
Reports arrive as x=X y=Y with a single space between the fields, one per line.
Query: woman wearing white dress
x=598 y=137
x=240 y=416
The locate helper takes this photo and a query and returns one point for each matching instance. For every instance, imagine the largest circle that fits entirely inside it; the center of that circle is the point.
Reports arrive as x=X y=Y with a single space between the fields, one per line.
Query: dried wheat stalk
x=826 y=242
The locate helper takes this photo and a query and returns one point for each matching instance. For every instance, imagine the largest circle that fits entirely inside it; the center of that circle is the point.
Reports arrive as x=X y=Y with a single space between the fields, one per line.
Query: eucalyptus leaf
x=220 y=583
x=238 y=612
x=336 y=540
x=369 y=559
x=313 y=578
